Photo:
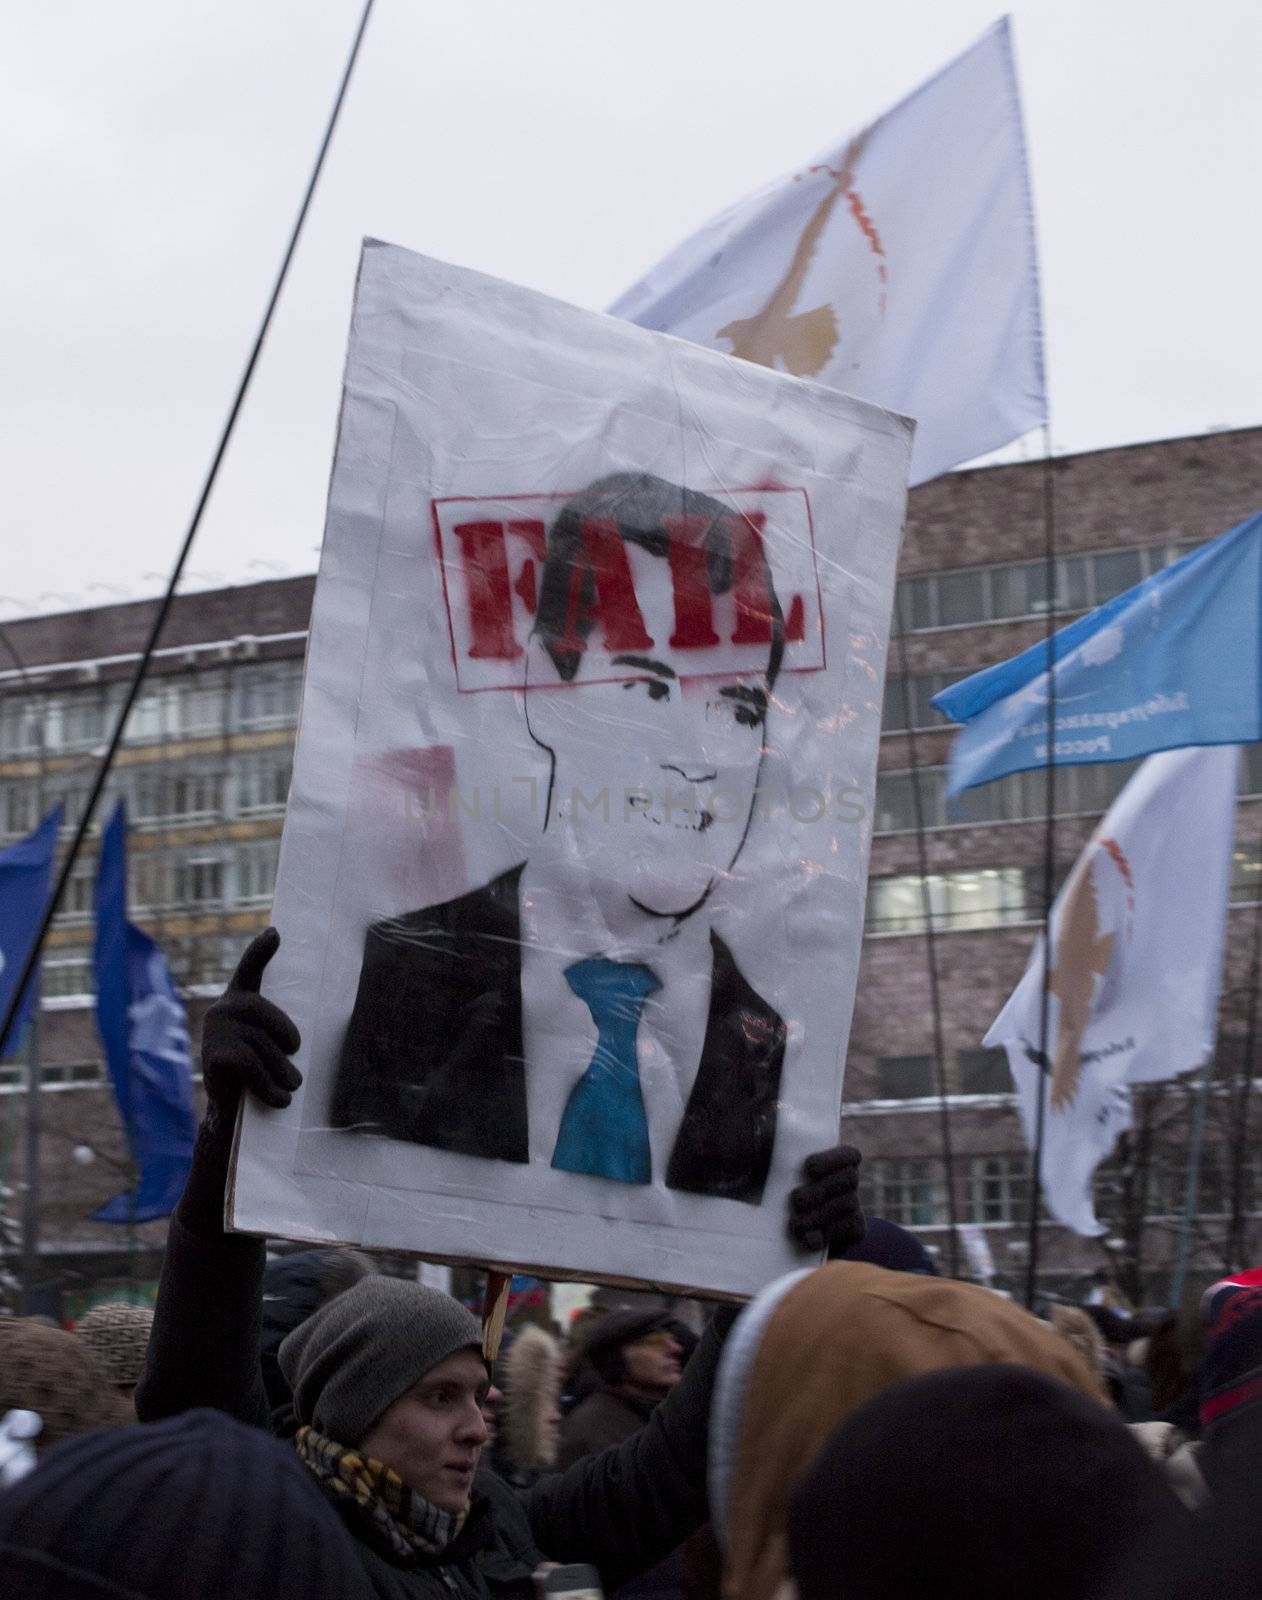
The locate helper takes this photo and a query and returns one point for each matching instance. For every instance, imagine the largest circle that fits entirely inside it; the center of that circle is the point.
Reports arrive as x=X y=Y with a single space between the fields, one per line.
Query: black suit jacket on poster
x=433 y=1050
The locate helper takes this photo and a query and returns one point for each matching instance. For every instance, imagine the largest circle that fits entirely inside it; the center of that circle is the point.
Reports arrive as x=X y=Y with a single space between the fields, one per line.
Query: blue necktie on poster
x=1175 y=661
x=25 y=871
x=604 y=1131
x=142 y=1024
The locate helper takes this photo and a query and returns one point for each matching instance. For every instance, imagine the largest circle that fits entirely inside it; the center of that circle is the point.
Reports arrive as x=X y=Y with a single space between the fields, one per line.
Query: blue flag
x=26 y=869
x=142 y=1023
x=1175 y=661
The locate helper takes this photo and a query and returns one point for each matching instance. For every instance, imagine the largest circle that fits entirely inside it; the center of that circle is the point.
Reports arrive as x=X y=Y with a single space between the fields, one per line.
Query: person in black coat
x=621 y=1510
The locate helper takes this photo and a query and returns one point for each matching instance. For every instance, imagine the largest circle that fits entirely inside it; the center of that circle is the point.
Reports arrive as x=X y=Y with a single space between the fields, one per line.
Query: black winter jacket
x=621 y=1510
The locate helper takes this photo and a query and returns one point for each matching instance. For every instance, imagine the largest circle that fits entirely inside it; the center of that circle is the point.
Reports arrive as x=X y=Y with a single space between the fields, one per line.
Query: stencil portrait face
x=654 y=768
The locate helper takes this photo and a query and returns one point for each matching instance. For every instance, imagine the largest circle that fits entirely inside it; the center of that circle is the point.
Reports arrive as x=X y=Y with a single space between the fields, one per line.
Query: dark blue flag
x=26 y=869
x=1175 y=661
x=142 y=1022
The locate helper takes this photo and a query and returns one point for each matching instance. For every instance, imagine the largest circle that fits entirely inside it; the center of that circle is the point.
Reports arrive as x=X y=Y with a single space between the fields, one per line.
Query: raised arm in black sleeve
x=204 y=1347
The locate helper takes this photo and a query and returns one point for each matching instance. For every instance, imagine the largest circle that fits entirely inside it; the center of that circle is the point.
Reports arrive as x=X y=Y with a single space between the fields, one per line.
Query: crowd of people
x=312 y=1426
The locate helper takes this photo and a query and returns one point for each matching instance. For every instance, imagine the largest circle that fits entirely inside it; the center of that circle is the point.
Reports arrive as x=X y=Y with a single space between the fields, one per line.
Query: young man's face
x=432 y=1435
x=654 y=774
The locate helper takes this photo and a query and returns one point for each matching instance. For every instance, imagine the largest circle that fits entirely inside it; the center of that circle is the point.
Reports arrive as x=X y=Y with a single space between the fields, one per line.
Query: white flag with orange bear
x=1137 y=954
x=898 y=266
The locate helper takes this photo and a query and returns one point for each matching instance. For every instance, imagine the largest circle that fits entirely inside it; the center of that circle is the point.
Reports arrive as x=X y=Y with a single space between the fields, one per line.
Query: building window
x=905 y=1077
x=149 y=721
x=66 y=973
x=256 y=872
x=981 y=897
x=148 y=880
x=909 y=1192
x=21 y=726
x=268 y=695
x=196 y=795
x=919 y=688
x=199 y=881
x=18 y=810
x=200 y=705
x=262 y=784
x=984 y=1072
x=1021 y=797
x=1251 y=769
x=1019 y=588
x=76 y=902
x=896 y=800
x=55 y=1075
x=998 y=1188
x=76 y=722
x=172 y=795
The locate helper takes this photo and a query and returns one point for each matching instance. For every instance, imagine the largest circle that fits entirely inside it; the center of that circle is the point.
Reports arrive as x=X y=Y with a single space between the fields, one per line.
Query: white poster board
x=572 y=883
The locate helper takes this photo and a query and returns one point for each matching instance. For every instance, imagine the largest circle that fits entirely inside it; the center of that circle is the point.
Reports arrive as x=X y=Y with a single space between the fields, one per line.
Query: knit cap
x=365 y=1348
x=810 y=1350
x=48 y=1371
x=117 y=1334
x=195 y=1507
x=1231 y=1369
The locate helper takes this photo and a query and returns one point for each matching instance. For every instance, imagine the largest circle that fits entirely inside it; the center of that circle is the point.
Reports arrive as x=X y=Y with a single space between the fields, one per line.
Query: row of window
x=201 y=877
x=915 y=1077
x=1014 y=589
x=55 y=1075
x=194 y=705
x=1020 y=797
x=195 y=960
x=160 y=794
x=913 y=1192
x=995 y=897
x=996 y=1188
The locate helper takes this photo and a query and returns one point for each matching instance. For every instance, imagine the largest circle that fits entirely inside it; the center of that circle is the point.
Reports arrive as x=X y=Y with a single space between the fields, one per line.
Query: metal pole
x=931 y=956
x=30 y=1168
x=1049 y=879
x=1236 y=1229
x=1192 y=1187
x=31 y=1161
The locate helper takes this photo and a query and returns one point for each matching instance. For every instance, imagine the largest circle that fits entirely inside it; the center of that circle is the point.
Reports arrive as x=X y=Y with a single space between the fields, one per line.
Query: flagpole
x=1235 y=1228
x=164 y=607
x=1049 y=878
x=33 y=1127
x=1192 y=1186
x=931 y=955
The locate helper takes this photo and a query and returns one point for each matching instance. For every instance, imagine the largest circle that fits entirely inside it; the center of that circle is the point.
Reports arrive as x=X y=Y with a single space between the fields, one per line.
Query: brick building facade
x=205 y=769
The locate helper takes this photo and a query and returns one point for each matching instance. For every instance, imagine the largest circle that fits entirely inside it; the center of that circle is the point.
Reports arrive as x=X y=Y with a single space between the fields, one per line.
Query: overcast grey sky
x=154 y=154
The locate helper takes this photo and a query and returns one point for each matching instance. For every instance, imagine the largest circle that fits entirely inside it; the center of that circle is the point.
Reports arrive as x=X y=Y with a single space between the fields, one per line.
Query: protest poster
x=572 y=883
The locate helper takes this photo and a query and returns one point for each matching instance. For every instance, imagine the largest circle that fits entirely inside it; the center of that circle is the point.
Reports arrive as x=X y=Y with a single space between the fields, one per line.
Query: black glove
x=824 y=1209
x=247 y=1041
x=246 y=1044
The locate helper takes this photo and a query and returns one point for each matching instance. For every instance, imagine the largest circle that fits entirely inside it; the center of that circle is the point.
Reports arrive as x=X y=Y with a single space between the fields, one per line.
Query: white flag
x=1137 y=935
x=899 y=266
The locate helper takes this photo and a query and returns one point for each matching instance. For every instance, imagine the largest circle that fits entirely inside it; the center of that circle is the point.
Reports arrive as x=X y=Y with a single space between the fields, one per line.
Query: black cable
x=931 y=956
x=159 y=621
x=1049 y=876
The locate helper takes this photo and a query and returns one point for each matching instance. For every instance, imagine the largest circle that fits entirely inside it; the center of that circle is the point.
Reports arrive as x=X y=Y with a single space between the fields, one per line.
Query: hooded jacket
x=810 y=1350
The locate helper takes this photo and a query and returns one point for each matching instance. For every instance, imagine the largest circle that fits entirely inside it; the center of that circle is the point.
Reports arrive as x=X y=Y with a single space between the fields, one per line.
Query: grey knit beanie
x=366 y=1347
